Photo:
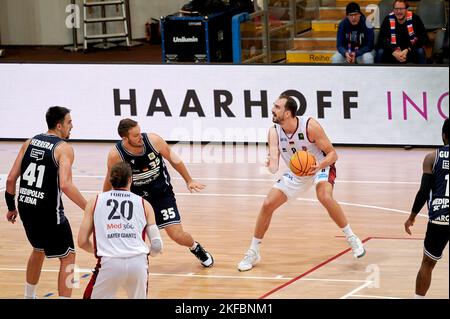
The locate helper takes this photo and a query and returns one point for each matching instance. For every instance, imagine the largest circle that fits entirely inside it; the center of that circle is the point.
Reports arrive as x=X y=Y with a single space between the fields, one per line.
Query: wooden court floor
x=304 y=254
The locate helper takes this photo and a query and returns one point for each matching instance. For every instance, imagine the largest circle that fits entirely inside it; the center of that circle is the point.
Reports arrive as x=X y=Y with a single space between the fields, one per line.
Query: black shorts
x=435 y=241
x=55 y=240
x=165 y=207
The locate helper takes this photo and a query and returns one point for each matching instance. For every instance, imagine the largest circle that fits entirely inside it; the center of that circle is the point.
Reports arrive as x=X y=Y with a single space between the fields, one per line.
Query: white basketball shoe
x=250 y=259
x=357 y=246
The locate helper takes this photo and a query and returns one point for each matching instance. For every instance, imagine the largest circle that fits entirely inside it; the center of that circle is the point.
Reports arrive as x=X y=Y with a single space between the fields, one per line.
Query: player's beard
x=275 y=119
x=136 y=144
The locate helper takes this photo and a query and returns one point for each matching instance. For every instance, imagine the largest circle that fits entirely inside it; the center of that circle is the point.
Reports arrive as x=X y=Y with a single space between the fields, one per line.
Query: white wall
x=216 y=103
x=42 y=22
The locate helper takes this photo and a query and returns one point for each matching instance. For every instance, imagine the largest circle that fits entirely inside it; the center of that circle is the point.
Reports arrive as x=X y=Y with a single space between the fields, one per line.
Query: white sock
x=194 y=245
x=416 y=296
x=30 y=291
x=255 y=244
x=63 y=297
x=347 y=231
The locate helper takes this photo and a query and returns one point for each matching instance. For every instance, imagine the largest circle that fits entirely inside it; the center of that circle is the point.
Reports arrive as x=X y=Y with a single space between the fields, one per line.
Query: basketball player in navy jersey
x=434 y=189
x=119 y=220
x=44 y=165
x=289 y=135
x=145 y=152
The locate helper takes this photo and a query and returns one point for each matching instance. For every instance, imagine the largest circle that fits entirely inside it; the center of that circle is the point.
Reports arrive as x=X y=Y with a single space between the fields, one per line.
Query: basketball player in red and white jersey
x=289 y=135
x=119 y=221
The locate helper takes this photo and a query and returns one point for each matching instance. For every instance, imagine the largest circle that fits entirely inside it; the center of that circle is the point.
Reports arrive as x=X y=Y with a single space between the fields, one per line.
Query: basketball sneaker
x=250 y=259
x=357 y=246
x=205 y=258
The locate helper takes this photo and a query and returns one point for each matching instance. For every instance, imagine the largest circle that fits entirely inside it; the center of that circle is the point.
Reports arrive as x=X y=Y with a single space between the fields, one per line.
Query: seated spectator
x=402 y=37
x=354 y=40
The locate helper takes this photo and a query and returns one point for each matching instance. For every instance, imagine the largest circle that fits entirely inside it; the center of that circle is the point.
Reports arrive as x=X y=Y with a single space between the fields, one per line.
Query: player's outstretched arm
x=65 y=157
x=156 y=243
x=86 y=228
x=317 y=135
x=273 y=158
x=11 y=181
x=424 y=190
x=163 y=148
x=113 y=158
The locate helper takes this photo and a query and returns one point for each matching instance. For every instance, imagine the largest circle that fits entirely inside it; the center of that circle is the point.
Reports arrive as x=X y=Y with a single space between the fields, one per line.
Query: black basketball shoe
x=205 y=258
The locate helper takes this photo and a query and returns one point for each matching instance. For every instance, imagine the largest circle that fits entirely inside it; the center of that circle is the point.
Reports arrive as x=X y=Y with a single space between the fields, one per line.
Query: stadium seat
x=432 y=13
x=440 y=48
x=384 y=7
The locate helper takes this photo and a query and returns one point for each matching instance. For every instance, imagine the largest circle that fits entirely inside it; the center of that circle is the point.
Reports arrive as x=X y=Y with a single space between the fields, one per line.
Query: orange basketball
x=301 y=162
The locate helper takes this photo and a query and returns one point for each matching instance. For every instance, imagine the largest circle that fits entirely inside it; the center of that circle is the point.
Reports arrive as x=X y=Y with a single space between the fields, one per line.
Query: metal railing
x=248 y=24
x=265 y=35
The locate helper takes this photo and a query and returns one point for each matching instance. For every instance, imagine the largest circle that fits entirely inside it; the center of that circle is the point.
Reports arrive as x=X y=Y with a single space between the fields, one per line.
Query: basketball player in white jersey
x=289 y=135
x=119 y=221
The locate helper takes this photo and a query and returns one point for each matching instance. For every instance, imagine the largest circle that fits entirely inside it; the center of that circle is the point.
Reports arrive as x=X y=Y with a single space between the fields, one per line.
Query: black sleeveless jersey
x=438 y=203
x=150 y=173
x=39 y=191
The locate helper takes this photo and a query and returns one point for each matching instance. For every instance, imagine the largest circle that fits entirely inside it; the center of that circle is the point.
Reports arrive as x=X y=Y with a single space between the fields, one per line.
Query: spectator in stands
x=402 y=36
x=354 y=39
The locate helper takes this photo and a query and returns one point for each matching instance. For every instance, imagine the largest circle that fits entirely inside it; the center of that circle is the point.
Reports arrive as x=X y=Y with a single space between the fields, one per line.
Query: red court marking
x=394 y=238
x=328 y=261
x=309 y=271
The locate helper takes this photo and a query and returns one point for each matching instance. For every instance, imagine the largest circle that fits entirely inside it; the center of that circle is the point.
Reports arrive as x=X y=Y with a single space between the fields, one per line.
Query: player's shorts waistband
x=438 y=222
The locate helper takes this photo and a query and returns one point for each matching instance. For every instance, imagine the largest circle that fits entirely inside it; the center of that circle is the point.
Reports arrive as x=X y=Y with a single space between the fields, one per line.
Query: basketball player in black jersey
x=145 y=152
x=44 y=165
x=434 y=189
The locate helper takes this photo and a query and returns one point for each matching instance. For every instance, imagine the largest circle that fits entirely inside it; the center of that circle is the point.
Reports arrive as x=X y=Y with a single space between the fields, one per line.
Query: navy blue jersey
x=39 y=191
x=150 y=174
x=438 y=203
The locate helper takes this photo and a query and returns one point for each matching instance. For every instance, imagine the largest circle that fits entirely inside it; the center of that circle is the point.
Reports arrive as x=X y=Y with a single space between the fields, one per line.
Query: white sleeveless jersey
x=119 y=225
x=289 y=144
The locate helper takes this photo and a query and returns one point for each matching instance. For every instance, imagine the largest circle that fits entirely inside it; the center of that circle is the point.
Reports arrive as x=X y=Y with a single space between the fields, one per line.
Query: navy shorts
x=55 y=241
x=165 y=207
x=436 y=238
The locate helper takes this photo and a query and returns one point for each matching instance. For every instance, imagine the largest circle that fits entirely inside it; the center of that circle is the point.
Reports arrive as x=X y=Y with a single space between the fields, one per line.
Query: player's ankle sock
x=347 y=231
x=255 y=244
x=63 y=297
x=194 y=245
x=416 y=296
x=30 y=291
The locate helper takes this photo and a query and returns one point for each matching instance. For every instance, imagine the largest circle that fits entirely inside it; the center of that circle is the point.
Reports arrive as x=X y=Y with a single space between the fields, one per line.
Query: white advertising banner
x=379 y=105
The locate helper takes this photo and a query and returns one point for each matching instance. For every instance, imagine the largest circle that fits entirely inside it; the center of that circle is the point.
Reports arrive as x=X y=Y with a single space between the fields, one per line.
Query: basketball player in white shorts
x=119 y=220
x=291 y=185
x=289 y=135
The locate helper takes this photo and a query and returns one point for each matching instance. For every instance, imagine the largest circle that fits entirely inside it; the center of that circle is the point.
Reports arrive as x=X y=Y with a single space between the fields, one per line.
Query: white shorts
x=291 y=184
x=130 y=273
